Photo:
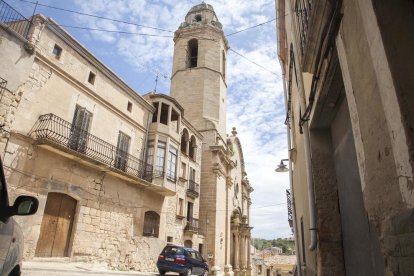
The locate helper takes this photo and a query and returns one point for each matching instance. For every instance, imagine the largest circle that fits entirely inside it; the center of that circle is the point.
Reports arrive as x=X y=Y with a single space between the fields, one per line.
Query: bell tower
x=198 y=79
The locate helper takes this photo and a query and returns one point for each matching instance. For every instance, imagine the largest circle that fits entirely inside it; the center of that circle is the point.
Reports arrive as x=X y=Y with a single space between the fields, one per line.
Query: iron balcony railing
x=193 y=188
x=303 y=9
x=192 y=225
x=289 y=208
x=171 y=176
x=3 y=85
x=56 y=130
x=12 y=19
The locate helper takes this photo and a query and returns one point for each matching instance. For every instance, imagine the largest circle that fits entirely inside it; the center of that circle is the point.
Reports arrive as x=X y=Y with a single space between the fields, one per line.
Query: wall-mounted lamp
x=282 y=167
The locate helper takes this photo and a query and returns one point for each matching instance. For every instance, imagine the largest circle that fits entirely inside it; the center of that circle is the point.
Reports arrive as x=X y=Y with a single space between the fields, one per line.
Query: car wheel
x=162 y=272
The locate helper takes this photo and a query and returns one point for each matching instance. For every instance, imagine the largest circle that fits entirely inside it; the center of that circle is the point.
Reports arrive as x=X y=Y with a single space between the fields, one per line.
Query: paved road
x=73 y=269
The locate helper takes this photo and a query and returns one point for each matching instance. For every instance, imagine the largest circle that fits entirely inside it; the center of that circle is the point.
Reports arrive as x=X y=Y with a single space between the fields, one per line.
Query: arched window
x=151 y=224
x=192 y=53
x=192 y=148
x=184 y=142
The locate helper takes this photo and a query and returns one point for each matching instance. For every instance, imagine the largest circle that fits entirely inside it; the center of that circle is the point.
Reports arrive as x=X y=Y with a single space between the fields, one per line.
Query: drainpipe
x=295 y=227
x=302 y=102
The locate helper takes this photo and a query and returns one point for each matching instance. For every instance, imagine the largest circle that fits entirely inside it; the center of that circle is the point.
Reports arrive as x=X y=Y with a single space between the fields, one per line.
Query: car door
x=6 y=226
x=196 y=269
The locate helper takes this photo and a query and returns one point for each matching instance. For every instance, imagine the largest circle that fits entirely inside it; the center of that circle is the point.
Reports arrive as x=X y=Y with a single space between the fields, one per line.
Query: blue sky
x=255 y=96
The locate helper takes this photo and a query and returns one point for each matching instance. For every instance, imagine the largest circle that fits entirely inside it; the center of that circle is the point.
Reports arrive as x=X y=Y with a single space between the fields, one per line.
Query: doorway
x=56 y=228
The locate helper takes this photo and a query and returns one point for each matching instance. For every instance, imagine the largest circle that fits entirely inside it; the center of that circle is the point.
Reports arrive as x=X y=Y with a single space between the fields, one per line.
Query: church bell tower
x=198 y=79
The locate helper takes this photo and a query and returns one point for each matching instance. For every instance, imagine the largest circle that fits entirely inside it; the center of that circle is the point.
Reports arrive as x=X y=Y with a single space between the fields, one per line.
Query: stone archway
x=188 y=243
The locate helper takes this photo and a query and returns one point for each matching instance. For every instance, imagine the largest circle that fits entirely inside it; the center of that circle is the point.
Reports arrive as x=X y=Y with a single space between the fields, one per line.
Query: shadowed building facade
x=350 y=121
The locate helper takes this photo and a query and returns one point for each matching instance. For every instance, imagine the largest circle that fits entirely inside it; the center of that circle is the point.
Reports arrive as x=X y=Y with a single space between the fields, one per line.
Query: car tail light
x=161 y=258
x=180 y=260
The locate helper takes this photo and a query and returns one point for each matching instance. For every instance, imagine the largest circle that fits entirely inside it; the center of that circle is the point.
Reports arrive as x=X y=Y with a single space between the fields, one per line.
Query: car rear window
x=173 y=250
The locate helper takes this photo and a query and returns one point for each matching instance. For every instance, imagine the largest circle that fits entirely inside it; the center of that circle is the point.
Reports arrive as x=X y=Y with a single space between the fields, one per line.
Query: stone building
x=117 y=175
x=348 y=86
x=199 y=84
x=114 y=178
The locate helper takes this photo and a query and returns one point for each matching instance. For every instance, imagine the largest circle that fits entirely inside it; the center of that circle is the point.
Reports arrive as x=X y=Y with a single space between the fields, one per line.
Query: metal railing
x=303 y=9
x=192 y=225
x=3 y=85
x=193 y=188
x=56 y=130
x=158 y=172
x=289 y=208
x=12 y=19
x=171 y=176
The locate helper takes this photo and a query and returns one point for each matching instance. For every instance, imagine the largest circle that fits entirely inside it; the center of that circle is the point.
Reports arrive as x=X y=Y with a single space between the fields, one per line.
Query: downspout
x=302 y=103
x=295 y=227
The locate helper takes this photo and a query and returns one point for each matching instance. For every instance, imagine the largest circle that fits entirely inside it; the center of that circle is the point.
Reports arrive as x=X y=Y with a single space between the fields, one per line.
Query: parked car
x=11 y=237
x=183 y=260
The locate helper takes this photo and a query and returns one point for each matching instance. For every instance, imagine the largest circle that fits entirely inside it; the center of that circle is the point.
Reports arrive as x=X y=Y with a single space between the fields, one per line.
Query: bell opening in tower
x=193 y=53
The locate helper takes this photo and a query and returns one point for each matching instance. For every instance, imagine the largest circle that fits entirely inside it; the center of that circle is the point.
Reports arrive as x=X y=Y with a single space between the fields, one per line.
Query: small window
x=57 y=51
x=169 y=239
x=151 y=224
x=91 y=78
x=198 y=17
x=192 y=148
x=129 y=106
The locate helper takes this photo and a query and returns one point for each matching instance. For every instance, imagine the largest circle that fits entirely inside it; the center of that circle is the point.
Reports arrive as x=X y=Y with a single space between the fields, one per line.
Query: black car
x=183 y=260
x=11 y=237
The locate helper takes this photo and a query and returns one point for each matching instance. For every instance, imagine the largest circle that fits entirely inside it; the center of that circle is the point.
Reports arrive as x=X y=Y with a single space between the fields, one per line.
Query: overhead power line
x=96 y=16
x=111 y=31
x=255 y=26
x=255 y=63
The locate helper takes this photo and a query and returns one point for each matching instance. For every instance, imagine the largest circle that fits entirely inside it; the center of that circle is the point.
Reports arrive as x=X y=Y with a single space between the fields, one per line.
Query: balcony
x=193 y=189
x=303 y=9
x=51 y=130
x=12 y=19
x=192 y=225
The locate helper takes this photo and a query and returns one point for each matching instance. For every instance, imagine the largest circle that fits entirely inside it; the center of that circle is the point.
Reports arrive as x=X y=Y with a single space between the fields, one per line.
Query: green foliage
x=285 y=244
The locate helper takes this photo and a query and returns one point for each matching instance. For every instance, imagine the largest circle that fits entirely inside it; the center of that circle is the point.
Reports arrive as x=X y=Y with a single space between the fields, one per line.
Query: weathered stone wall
x=104 y=222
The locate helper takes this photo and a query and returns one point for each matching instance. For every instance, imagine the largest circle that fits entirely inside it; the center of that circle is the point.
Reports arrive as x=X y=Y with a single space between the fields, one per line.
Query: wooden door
x=56 y=228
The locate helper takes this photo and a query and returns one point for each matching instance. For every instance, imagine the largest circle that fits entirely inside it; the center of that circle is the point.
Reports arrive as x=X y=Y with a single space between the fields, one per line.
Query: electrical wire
x=251 y=27
x=97 y=16
x=111 y=31
x=255 y=63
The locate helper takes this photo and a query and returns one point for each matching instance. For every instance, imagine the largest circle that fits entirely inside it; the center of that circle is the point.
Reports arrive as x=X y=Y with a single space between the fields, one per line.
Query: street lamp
x=282 y=167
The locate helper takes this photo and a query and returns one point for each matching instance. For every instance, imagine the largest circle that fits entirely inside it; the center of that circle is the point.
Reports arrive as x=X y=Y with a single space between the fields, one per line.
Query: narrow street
x=49 y=268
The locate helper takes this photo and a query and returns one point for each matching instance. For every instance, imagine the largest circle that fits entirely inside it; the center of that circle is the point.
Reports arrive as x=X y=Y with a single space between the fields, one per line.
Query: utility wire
x=255 y=63
x=257 y=25
x=111 y=31
x=97 y=16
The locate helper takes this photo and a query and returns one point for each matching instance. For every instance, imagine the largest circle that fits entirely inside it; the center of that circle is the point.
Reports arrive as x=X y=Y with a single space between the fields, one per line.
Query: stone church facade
x=119 y=176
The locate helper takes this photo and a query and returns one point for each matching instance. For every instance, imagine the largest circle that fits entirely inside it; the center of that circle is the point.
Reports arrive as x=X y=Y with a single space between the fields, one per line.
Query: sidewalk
x=65 y=268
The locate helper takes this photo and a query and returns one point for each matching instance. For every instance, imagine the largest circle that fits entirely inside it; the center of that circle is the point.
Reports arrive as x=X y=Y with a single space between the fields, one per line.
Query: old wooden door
x=56 y=227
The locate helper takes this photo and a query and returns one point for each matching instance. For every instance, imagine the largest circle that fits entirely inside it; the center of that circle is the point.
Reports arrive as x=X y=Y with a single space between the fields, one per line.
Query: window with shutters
x=172 y=164
x=160 y=160
x=122 y=149
x=151 y=224
x=79 y=131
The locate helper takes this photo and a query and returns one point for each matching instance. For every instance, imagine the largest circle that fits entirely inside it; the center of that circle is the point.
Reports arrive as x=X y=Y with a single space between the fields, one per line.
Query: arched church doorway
x=56 y=228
